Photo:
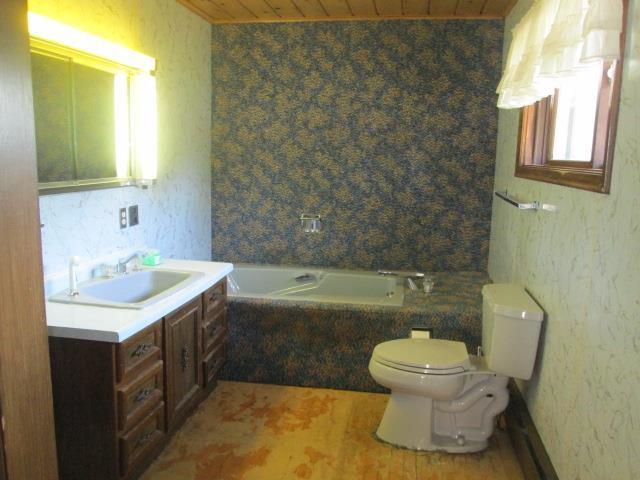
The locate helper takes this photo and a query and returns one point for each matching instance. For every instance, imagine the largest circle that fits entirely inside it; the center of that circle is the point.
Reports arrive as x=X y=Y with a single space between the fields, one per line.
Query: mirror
x=74 y=108
x=95 y=110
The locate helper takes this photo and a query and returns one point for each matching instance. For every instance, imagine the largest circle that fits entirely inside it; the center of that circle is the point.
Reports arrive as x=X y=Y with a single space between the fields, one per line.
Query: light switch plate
x=133 y=215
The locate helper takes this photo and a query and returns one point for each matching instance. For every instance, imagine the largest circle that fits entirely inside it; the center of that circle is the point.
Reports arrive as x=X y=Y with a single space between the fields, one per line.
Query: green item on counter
x=152 y=259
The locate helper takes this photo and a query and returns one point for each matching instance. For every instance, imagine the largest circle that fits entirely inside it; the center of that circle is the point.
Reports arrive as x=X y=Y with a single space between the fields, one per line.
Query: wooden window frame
x=536 y=133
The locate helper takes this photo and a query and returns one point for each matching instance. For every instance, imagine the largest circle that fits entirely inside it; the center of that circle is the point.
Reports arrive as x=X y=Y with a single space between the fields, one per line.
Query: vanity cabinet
x=106 y=399
x=116 y=404
x=182 y=340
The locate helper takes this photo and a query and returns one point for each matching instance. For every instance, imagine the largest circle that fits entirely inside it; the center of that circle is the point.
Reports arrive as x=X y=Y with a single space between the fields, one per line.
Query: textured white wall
x=583 y=265
x=175 y=216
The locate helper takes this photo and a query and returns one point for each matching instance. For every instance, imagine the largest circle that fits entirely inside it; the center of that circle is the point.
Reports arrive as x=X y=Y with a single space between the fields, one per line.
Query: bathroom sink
x=135 y=290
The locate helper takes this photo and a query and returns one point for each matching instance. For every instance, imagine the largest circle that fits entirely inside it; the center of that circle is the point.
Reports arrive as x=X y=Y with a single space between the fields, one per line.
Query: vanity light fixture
x=145 y=141
x=53 y=31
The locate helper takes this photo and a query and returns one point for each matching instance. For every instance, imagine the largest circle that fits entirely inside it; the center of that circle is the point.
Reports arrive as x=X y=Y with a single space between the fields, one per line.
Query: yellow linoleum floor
x=268 y=432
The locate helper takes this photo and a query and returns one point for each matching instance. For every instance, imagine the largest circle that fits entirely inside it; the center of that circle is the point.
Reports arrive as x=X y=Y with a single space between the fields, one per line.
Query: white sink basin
x=135 y=290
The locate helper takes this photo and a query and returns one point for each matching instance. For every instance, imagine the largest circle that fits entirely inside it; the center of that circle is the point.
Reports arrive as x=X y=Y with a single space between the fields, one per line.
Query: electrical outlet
x=123 y=218
x=133 y=215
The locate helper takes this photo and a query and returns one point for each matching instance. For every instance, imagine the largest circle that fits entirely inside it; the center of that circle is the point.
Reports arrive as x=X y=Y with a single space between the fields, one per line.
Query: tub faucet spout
x=401 y=273
x=408 y=276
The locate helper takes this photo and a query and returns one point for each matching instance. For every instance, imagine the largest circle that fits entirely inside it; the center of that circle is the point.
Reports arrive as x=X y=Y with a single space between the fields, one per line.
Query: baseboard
x=527 y=444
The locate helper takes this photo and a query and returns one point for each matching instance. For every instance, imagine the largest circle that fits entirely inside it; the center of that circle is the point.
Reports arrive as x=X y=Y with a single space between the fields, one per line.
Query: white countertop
x=117 y=324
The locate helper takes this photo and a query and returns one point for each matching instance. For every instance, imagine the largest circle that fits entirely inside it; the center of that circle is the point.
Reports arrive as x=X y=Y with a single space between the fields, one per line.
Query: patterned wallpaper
x=581 y=264
x=329 y=345
x=174 y=214
x=386 y=129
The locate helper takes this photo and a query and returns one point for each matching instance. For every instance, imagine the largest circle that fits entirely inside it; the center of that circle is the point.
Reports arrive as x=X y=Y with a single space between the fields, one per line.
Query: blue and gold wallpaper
x=386 y=129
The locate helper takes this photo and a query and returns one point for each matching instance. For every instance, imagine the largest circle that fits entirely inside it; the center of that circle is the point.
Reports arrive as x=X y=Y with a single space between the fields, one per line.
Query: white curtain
x=555 y=41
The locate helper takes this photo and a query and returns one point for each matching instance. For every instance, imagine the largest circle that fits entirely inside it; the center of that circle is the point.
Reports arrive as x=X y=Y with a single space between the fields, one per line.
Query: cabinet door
x=182 y=335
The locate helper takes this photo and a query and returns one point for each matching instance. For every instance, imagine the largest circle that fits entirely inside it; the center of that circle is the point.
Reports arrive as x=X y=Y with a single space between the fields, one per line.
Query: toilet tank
x=511 y=322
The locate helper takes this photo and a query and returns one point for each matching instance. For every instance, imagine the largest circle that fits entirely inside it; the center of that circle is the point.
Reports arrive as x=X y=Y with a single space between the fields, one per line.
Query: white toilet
x=442 y=398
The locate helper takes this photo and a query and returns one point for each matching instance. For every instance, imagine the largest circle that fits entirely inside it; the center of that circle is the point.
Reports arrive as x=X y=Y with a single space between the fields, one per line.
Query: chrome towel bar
x=512 y=201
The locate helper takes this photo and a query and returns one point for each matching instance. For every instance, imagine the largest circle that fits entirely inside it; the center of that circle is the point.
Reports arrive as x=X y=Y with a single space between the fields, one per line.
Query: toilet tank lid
x=511 y=301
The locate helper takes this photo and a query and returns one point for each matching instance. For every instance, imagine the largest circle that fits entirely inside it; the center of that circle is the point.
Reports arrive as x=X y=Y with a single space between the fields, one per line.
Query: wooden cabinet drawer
x=214 y=361
x=138 y=397
x=213 y=330
x=139 y=351
x=215 y=298
x=135 y=445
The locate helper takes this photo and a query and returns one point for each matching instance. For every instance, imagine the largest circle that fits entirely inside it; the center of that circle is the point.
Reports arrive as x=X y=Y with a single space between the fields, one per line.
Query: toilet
x=442 y=398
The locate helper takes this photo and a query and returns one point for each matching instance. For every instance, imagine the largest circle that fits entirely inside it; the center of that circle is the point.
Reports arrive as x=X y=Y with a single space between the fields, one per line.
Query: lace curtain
x=554 y=42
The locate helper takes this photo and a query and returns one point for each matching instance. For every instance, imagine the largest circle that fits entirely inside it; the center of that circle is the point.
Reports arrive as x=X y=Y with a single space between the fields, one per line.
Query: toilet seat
x=424 y=356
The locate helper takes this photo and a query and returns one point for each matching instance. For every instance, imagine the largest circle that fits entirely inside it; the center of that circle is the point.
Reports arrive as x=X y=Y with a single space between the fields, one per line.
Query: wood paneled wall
x=25 y=381
x=247 y=11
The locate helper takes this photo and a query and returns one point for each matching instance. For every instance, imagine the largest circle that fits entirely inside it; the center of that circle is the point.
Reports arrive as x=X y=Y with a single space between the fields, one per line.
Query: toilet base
x=444 y=444
x=407 y=422
x=462 y=424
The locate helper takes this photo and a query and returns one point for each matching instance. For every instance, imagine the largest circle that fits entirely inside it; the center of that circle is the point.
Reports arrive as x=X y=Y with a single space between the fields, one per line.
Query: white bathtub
x=314 y=284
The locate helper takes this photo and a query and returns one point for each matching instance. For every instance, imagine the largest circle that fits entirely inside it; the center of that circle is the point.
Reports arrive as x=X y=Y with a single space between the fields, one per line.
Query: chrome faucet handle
x=136 y=263
x=110 y=271
x=411 y=285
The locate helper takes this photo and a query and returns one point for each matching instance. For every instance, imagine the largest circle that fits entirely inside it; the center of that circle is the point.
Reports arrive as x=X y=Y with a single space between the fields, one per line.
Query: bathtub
x=315 y=284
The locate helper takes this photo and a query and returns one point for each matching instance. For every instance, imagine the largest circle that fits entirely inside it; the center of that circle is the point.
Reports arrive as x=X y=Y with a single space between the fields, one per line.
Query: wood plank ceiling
x=252 y=11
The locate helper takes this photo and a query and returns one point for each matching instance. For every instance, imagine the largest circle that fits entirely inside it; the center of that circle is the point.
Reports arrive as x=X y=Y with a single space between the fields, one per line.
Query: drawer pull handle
x=143 y=395
x=185 y=358
x=144 y=439
x=141 y=349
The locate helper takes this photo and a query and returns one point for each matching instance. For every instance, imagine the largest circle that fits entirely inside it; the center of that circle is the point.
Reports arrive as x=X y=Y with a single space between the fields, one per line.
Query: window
x=563 y=71
x=567 y=138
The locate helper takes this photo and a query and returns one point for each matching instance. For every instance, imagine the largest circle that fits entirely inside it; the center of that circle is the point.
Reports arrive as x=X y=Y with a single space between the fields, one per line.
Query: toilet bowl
x=442 y=398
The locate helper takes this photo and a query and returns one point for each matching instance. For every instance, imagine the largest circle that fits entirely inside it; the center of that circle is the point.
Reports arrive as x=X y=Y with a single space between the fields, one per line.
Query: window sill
x=591 y=179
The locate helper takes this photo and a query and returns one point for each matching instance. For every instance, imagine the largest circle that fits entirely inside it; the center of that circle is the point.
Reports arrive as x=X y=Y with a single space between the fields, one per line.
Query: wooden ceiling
x=252 y=11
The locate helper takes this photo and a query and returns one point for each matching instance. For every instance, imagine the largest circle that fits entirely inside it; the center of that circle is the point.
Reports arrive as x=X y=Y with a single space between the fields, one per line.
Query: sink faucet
x=408 y=276
x=122 y=263
x=73 y=276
